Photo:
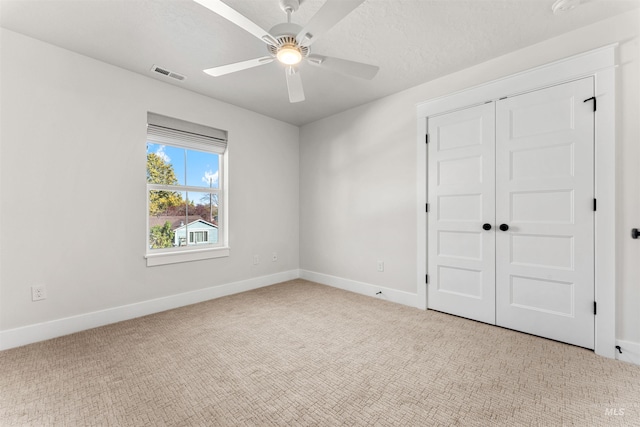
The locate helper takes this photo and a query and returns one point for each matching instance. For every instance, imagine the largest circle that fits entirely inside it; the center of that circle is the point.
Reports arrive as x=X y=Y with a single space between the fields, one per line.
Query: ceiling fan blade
x=294 y=85
x=343 y=66
x=237 y=18
x=238 y=66
x=332 y=12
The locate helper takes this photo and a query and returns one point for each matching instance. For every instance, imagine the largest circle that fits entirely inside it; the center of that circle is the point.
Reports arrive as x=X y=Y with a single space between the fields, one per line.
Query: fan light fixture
x=289 y=54
x=288 y=43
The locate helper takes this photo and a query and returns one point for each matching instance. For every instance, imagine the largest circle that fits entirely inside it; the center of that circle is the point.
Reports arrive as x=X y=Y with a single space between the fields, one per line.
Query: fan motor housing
x=285 y=34
x=285 y=29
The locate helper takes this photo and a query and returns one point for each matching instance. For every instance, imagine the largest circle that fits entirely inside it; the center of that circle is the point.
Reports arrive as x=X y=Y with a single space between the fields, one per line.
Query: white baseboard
x=55 y=328
x=393 y=295
x=630 y=351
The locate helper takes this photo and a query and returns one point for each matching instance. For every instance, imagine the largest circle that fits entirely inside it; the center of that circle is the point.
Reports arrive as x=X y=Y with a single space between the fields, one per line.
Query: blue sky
x=201 y=166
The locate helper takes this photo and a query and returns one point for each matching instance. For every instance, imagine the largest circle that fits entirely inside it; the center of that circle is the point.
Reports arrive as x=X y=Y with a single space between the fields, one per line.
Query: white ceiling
x=412 y=41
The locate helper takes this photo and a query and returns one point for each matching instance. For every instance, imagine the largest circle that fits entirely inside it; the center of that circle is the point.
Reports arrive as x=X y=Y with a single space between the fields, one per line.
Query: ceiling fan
x=289 y=43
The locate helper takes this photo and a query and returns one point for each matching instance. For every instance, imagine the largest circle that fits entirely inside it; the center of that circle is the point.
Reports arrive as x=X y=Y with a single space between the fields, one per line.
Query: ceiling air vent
x=168 y=73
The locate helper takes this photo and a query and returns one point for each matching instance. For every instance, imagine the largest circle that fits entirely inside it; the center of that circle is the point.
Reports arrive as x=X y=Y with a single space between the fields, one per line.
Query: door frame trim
x=600 y=64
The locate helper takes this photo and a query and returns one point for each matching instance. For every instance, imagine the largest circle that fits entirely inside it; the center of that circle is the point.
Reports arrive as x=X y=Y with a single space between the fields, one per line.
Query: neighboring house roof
x=200 y=220
x=176 y=221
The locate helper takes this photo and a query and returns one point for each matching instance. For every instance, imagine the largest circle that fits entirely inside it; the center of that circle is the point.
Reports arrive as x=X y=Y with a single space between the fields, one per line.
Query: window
x=198 y=237
x=185 y=191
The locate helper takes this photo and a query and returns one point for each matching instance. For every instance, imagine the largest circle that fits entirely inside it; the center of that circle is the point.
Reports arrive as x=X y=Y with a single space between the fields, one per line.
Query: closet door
x=461 y=195
x=544 y=177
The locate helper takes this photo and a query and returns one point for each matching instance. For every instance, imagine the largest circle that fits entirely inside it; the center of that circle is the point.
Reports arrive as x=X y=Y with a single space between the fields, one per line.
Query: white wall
x=72 y=155
x=358 y=172
x=72 y=205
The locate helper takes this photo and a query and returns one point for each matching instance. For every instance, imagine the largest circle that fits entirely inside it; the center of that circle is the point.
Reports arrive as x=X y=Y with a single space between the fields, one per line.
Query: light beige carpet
x=300 y=353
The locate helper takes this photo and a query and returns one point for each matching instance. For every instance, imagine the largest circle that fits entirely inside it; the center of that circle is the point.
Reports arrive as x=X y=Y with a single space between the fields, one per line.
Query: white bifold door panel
x=462 y=198
x=523 y=166
x=544 y=186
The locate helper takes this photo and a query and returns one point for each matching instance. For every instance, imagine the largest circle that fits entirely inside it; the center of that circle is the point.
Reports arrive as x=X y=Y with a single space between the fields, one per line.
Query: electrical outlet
x=38 y=293
x=274 y=257
x=381 y=266
x=256 y=260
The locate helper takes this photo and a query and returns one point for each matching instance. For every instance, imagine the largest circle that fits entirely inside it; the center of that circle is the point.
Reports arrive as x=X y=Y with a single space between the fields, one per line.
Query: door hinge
x=594 y=102
x=426 y=278
x=595 y=308
x=426 y=138
x=426 y=209
x=594 y=205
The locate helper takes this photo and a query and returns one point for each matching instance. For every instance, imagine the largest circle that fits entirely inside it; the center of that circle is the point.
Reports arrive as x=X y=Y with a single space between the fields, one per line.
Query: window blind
x=176 y=132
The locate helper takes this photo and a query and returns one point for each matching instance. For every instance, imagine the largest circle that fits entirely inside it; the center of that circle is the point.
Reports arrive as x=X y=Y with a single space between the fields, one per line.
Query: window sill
x=185 y=256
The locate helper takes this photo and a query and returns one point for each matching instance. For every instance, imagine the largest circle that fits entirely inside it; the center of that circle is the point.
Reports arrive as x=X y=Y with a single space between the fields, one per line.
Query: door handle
x=486 y=226
x=504 y=227
x=635 y=233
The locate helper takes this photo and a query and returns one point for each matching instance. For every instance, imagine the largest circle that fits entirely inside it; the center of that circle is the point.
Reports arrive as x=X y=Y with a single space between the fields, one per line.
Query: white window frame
x=191 y=252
